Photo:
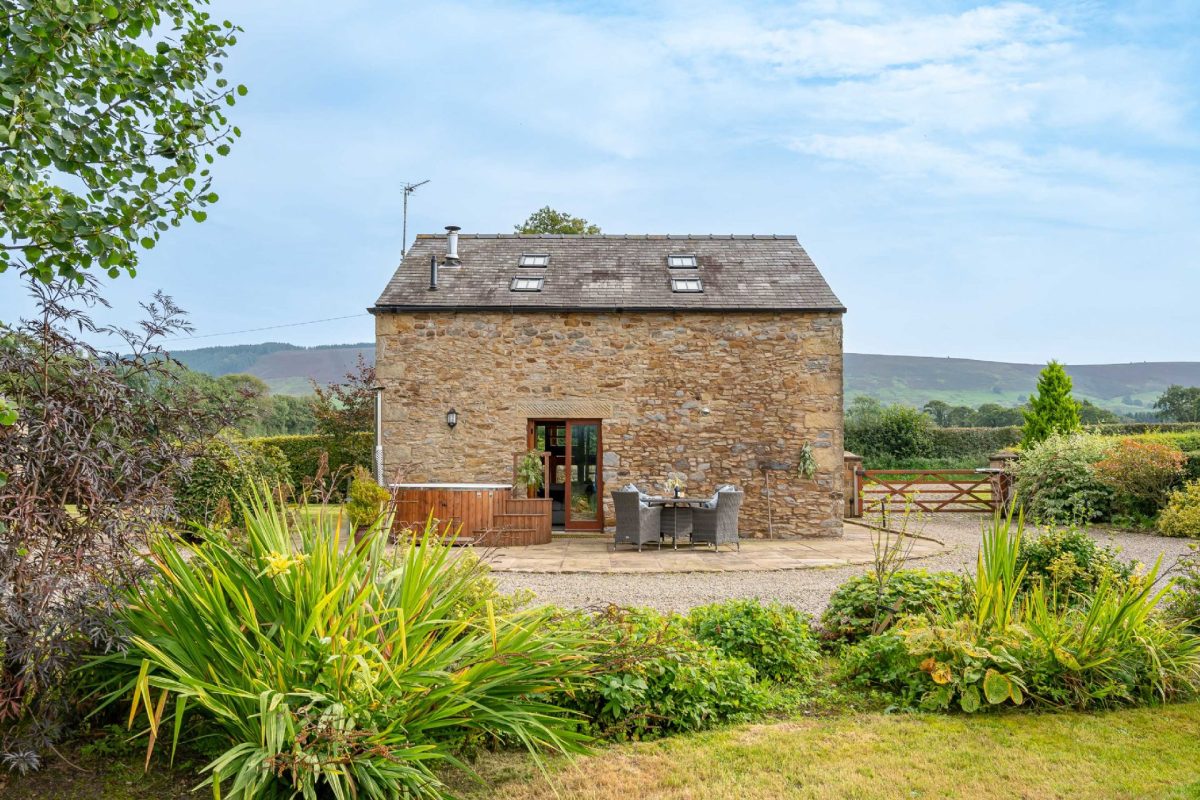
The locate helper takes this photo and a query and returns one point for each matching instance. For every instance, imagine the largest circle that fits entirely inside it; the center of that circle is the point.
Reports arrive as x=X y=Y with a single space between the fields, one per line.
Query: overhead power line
x=269 y=327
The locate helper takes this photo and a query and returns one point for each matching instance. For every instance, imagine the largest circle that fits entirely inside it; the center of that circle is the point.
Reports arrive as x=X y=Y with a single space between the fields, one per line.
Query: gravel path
x=806 y=589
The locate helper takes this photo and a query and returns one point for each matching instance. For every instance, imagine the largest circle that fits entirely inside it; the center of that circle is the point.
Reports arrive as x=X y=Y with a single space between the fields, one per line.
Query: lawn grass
x=1136 y=753
x=1140 y=753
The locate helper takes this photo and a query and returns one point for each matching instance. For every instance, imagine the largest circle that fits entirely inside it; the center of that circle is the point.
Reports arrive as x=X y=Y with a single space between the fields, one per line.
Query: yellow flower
x=278 y=564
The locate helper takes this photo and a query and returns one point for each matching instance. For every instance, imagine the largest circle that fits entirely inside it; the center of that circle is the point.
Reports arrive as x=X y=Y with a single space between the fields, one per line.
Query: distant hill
x=915 y=380
x=286 y=368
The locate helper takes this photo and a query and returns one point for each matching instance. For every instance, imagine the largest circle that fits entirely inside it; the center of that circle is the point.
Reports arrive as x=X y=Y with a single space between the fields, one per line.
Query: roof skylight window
x=526 y=284
x=681 y=262
x=686 y=285
x=534 y=260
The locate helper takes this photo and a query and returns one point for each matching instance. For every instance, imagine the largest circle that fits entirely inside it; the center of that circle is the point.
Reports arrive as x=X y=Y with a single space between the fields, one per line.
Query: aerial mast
x=409 y=188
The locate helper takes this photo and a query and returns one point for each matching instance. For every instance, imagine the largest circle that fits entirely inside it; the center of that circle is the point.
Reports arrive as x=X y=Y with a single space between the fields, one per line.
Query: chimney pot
x=433 y=273
x=452 y=244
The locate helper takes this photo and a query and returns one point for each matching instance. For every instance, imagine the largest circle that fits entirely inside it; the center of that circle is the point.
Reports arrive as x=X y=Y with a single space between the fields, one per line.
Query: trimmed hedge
x=960 y=447
x=303 y=453
x=936 y=448
x=976 y=443
x=1136 y=428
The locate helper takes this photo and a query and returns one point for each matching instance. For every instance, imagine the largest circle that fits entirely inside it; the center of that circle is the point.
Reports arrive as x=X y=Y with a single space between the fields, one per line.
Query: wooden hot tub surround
x=486 y=514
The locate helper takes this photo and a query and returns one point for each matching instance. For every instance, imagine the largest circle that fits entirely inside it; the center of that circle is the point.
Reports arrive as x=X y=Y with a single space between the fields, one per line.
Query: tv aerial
x=409 y=188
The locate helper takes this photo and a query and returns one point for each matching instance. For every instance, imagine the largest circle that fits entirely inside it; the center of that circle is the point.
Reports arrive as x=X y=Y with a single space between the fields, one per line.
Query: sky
x=1005 y=181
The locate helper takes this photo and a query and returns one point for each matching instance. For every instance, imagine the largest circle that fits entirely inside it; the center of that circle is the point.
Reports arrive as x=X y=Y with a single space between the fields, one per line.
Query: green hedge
x=962 y=447
x=1136 y=428
x=304 y=456
x=977 y=443
x=937 y=448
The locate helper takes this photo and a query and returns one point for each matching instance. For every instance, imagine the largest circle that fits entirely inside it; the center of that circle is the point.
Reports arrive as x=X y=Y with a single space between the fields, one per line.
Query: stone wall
x=717 y=396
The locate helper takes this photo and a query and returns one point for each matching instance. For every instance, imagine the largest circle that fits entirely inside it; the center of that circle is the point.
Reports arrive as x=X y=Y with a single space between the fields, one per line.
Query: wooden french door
x=576 y=481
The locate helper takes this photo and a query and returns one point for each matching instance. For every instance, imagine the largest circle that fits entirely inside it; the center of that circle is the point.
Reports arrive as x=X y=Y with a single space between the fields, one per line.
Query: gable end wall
x=713 y=395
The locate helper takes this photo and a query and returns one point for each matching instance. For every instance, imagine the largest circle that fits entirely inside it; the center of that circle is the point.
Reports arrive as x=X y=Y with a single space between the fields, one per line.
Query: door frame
x=570 y=524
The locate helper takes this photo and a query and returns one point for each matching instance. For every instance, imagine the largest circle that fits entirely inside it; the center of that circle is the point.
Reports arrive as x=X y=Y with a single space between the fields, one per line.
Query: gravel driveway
x=806 y=589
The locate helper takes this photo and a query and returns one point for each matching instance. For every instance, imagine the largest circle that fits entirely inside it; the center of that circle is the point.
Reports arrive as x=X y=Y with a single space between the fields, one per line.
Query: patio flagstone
x=599 y=555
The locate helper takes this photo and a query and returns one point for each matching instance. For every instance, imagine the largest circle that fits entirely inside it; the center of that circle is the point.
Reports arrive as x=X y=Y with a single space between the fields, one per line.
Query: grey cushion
x=712 y=501
x=643 y=498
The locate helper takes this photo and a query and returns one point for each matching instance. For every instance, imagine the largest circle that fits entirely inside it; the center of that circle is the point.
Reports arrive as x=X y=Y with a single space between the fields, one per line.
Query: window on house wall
x=686 y=285
x=681 y=262
x=534 y=260
x=526 y=284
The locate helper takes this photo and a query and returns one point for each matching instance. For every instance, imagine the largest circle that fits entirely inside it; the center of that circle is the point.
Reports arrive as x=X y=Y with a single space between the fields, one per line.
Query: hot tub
x=484 y=514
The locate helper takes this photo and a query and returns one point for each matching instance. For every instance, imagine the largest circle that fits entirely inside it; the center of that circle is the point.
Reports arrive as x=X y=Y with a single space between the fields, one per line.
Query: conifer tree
x=1052 y=409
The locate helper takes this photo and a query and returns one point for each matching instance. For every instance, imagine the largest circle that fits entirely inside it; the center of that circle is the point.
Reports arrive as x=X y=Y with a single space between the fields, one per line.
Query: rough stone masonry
x=715 y=395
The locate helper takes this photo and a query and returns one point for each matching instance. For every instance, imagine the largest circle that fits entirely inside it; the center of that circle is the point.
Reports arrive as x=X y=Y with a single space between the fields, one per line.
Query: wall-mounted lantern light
x=452 y=418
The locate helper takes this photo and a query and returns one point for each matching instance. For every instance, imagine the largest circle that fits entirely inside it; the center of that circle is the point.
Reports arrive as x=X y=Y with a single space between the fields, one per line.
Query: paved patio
x=598 y=555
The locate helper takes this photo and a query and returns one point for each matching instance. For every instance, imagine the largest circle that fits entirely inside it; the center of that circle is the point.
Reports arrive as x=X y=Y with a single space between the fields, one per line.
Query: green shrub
x=366 y=499
x=1191 y=465
x=1181 y=517
x=1184 y=604
x=895 y=431
x=305 y=455
x=1013 y=646
x=1140 y=474
x=467 y=566
x=858 y=609
x=774 y=639
x=1070 y=563
x=1143 y=428
x=1184 y=440
x=1056 y=480
x=1051 y=410
x=217 y=473
x=883 y=662
x=653 y=677
x=336 y=672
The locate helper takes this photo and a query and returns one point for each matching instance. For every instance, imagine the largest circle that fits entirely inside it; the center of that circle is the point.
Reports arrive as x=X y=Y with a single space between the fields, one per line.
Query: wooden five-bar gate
x=929 y=490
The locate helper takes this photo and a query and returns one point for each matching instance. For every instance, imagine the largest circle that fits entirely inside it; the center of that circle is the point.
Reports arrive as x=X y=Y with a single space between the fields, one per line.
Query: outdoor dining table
x=676 y=502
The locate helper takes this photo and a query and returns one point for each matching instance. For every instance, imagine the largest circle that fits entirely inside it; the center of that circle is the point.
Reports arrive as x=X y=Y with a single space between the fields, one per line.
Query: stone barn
x=621 y=359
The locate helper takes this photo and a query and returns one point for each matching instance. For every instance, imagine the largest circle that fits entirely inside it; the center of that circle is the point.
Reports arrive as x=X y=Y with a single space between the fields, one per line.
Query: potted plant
x=529 y=472
x=365 y=503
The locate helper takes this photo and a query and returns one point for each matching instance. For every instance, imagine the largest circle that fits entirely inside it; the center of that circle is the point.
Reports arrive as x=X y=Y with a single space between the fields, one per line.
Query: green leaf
x=147 y=242
x=199 y=216
x=241 y=90
x=996 y=687
x=1066 y=659
x=970 y=699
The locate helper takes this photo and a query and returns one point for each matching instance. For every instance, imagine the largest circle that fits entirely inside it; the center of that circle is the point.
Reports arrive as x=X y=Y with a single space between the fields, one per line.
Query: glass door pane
x=583 y=473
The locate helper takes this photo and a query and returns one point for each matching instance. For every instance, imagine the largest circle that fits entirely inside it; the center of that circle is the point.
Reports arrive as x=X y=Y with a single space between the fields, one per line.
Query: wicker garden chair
x=636 y=524
x=718 y=526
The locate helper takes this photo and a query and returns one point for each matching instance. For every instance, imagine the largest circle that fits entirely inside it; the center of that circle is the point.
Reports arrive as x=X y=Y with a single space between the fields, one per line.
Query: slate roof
x=607 y=273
